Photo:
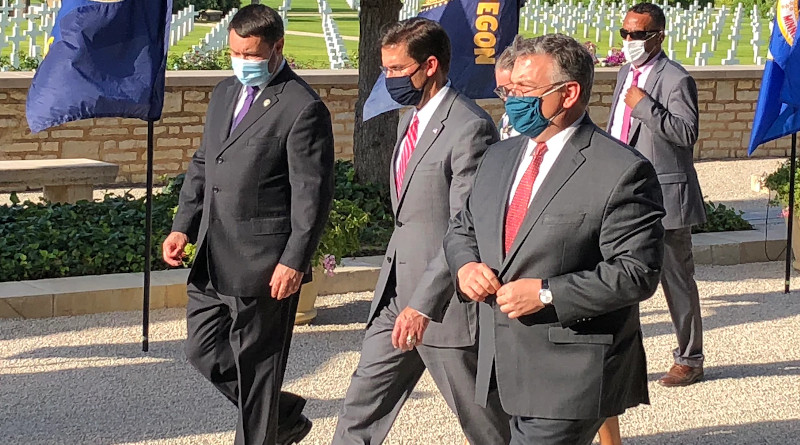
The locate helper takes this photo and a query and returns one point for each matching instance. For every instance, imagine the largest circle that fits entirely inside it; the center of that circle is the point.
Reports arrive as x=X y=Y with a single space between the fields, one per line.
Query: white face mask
x=634 y=50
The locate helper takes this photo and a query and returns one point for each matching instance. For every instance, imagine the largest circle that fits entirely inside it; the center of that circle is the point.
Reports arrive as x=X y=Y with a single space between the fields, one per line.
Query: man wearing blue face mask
x=414 y=323
x=255 y=201
x=558 y=242
x=655 y=111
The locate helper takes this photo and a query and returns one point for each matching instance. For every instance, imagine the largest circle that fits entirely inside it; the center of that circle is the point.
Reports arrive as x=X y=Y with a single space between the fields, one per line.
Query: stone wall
x=727 y=101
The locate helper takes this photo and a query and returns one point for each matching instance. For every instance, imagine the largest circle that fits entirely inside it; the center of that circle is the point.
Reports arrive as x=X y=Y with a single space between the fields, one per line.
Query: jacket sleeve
x=435 y=288
x=631 y=241
x=676 y=120
x=309 y=148
x=190 y=202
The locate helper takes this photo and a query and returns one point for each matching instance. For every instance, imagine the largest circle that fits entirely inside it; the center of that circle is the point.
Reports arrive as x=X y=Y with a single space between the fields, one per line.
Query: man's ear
x=433 y=66
x=572 y=94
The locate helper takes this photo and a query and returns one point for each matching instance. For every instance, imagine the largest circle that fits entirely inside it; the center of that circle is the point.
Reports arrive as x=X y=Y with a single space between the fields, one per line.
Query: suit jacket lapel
x=426 y=140
x=507 y=175
x=648 y=88
x=568 y=161
x=402 y=128
x=263 y=102
x=621 y=76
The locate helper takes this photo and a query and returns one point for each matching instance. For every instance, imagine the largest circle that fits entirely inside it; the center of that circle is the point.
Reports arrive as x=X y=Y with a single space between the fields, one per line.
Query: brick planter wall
x=727 y=101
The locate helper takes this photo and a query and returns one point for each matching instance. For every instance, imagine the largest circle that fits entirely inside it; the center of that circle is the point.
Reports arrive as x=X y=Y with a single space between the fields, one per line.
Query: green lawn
x=309 y=5
x=744 y=51
x=348 y=26
x=193 y=38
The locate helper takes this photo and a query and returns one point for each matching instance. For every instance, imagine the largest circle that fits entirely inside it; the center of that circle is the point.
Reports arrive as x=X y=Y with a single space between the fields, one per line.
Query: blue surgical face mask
x=403 y=91
x=251 y=72
x=525 y=114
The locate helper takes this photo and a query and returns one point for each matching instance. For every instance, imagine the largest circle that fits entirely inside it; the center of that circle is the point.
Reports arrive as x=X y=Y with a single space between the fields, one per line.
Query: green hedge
x=43 y=240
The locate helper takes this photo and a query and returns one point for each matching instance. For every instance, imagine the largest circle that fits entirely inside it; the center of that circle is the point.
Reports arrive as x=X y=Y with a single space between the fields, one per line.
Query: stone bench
x=63 y=180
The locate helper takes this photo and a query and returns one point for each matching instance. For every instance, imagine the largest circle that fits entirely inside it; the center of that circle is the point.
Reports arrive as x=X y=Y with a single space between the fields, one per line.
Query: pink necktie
x=408 y=147
x=626 y=118
x=522 y=198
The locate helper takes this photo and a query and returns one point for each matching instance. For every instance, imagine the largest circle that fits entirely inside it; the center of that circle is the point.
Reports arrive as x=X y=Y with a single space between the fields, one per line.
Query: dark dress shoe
x=681 y=375
x=295 y=433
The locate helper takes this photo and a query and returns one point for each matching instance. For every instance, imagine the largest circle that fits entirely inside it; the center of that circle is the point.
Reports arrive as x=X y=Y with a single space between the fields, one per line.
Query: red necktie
x=409 y=143
x=626 y=118
x=522 y=197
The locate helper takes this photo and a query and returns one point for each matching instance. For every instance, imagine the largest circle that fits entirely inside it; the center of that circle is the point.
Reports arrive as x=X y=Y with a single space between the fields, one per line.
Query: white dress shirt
x=619 y=111
x=243 y=91
x=424 y=115
x=554 y=146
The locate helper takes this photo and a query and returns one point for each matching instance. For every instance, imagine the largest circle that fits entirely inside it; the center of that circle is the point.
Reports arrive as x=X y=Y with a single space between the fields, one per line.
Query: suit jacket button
x=388 y=259
x=398 y=224
x=220 y=160
x=215 y=189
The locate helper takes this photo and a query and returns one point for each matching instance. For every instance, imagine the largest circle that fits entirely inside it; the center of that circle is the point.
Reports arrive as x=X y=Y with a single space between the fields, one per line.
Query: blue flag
x=778 y=108
x=479 y=31
x=104 y=59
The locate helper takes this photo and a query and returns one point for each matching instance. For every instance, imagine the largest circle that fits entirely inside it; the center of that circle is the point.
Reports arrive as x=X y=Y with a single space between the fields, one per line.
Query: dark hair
x=654 y=11
x=573 y=61
x=258 y=21
x=423 y=38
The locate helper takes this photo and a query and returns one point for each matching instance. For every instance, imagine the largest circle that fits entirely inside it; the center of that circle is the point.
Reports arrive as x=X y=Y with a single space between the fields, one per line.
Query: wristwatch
x=545 y=296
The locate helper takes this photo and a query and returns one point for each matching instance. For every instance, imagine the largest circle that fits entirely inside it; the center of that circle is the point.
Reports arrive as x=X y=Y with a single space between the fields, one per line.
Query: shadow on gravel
x=348 y=313
x=737 y=309
x=783 y=432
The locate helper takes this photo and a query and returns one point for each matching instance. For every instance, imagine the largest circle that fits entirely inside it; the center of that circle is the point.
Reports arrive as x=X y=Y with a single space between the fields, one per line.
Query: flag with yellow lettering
x=479 y=31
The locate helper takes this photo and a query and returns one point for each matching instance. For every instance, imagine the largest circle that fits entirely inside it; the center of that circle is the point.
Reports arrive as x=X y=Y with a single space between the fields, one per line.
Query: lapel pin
x=435 y=130
x=267 y=102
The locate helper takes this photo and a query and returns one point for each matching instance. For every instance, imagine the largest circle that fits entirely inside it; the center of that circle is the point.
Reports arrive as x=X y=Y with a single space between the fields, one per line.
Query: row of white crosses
x=683 y=25
x=217 y=38
x=334 y=44
x=283 y=10
x=33 y=27
x=181 y=24
x=410 y=9
x=355 y=5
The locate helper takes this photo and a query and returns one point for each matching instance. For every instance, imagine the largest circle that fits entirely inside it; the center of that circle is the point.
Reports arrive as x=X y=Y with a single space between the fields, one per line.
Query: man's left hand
x=285 y=282
x=409 y=324
x=634 y=96
x=520 y=297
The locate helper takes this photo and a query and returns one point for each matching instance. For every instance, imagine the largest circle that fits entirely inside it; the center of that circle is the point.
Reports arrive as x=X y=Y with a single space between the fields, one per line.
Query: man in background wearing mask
x=410 y=326
x=255 y=200
x=559 y=241
x=655 y=111
x=502 y=77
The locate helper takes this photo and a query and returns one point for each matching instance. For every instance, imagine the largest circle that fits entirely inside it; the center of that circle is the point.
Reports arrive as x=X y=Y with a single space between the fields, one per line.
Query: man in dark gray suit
x=655 y=111
x=255 y=199
x=560 y=239
x=410 y=326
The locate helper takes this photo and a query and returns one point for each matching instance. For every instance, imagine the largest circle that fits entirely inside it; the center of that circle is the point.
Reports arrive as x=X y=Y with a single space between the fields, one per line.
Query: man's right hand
x=477 y=281
x=172 y=248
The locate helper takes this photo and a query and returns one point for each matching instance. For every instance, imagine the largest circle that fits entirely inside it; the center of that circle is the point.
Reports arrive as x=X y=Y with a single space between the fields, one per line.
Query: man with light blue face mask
x=255 y=201
x=655 y=111
x=558 y=242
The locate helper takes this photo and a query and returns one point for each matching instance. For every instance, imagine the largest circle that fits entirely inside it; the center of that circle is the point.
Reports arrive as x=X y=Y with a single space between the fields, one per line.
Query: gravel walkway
x=84 y=380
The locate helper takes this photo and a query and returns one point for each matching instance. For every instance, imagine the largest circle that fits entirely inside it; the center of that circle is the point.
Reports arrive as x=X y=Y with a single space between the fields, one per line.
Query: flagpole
x=148 y=229
x=792 y=171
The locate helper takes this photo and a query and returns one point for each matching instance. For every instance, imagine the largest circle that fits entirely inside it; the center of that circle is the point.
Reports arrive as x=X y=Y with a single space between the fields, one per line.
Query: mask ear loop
x=561 y=107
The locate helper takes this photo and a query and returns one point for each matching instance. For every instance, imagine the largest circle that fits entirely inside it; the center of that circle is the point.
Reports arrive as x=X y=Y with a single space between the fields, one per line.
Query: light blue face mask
x=525 y=114
x=251 y=72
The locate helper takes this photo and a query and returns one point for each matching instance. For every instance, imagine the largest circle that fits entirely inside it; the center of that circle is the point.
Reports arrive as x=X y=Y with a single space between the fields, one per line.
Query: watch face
x=545 y=296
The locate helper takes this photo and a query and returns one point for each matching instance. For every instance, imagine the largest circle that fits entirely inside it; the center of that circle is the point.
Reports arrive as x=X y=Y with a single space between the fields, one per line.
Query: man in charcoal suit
x=255 y=199
x=412 y=324
x=559 y=241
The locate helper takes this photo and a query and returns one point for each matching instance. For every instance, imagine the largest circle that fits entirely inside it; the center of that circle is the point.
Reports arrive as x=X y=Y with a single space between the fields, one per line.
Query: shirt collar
x=425 y=113
x=560 y=139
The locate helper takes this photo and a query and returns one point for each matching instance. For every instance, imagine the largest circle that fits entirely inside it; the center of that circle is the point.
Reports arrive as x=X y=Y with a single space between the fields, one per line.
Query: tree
x=373 y=141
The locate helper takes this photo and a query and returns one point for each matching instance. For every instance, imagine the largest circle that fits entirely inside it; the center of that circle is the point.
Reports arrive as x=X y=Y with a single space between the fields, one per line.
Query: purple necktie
x=248 y=101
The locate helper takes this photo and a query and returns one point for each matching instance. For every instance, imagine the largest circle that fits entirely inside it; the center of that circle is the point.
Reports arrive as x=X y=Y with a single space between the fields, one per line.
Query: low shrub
x=721 y=218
